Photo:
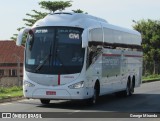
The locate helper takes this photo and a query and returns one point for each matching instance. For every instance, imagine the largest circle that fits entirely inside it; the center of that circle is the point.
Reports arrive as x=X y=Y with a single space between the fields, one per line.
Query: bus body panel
x=104 y=69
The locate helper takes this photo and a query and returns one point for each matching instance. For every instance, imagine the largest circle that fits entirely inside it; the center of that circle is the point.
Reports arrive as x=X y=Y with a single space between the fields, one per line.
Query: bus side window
x=89 y=57
x=93 y=53
x=96 y=37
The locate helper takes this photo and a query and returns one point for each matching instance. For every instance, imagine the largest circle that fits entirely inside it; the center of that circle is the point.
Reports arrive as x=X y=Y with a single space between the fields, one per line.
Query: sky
x=117 y=12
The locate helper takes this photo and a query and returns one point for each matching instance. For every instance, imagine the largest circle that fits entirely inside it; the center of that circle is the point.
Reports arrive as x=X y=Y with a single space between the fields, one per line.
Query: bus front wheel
x=95 y=96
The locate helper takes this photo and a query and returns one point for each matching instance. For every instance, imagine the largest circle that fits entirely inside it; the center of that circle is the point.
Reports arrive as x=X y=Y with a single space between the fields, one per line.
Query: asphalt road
x=146 y=99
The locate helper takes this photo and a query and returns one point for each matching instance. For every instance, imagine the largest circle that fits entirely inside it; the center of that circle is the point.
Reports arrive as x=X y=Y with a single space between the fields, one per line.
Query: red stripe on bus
x=59 y=79
x=111 y=54
x=138 y=56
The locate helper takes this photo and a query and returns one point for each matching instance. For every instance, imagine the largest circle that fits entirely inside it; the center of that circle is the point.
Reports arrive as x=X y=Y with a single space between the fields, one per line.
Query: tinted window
x=55 y=50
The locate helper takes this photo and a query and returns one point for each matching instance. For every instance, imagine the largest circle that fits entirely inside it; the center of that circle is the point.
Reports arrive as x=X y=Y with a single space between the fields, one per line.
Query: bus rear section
x=115 y=71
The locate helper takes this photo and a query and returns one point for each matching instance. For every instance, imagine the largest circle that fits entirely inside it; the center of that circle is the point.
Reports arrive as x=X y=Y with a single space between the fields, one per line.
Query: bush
x=11 y=89
x=15 y=88
x=151 y=77
x=4 y=90
x=154 y=76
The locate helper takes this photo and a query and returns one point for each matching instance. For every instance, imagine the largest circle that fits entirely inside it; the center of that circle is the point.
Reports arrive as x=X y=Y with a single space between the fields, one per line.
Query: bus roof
x=78 y=20
x=82 y=21
x=69 y=19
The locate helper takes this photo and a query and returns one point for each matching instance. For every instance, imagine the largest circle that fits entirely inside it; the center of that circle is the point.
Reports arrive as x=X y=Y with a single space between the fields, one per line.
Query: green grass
x=151 y=78
x=10 y=92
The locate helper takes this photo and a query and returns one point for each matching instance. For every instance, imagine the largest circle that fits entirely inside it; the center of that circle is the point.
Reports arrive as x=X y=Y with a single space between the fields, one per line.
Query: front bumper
x=64 y=94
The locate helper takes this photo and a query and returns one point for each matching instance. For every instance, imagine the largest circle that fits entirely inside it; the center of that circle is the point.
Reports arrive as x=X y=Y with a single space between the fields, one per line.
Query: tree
x=150 y=30
x=36 y=15
x=50 y=7
x=79 y=11
x=54 y=6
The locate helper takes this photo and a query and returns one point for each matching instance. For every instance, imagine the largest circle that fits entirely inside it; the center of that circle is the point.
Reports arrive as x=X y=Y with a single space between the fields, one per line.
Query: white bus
x=74 y=56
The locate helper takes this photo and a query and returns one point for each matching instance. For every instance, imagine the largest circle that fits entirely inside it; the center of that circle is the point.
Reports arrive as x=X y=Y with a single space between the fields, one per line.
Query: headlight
x=77 y=85
x=28 y=84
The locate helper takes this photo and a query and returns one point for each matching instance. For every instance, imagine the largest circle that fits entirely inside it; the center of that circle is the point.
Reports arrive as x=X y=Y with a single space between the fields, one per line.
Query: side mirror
x=20 y=36
x=85 y=37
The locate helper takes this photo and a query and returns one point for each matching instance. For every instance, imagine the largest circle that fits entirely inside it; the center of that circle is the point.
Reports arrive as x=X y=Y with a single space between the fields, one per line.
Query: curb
x=11 y=99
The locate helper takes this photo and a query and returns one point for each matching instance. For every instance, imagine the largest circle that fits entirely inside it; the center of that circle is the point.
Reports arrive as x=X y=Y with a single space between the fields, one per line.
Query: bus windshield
x=54 y=50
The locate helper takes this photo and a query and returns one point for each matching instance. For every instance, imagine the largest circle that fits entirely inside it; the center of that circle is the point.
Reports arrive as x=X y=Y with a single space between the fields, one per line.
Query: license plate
x=50 y=93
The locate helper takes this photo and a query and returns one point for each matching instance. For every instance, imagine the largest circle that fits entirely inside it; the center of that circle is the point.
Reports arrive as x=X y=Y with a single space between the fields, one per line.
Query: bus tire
x=128 y=91
x=92 y=100
x=95 y=96
x=45 y=101
x=133 y=85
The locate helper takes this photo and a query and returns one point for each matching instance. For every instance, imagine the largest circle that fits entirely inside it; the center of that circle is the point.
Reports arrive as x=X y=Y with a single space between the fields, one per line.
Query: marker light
x=28 y=84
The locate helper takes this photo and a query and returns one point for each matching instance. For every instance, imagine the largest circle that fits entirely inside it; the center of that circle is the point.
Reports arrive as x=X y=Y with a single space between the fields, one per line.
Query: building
x=11 y=63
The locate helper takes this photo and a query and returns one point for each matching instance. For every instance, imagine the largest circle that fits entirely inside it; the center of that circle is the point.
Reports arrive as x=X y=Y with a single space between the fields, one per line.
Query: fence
x=10 y=82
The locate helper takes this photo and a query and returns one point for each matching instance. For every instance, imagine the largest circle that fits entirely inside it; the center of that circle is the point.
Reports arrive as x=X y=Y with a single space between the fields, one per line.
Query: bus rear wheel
x=45 y=101
x=129 y=89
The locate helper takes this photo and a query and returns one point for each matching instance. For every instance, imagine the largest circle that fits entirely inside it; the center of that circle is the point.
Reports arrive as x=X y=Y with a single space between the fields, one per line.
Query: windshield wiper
x=57 y=58
x=43 y=62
